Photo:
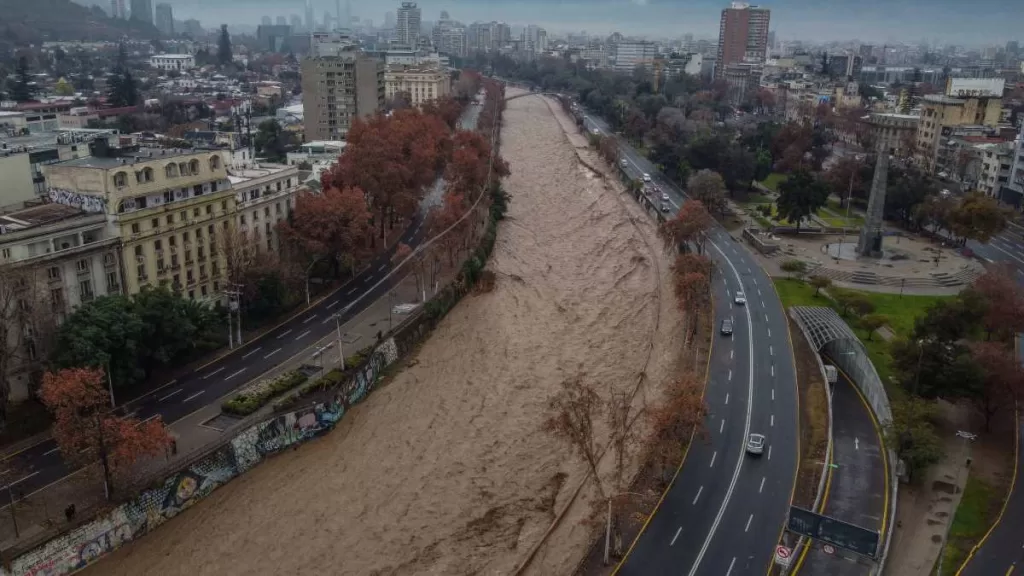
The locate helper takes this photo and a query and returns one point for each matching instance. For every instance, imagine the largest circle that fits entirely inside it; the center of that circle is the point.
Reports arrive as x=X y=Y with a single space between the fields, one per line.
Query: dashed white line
x=726 y=398
x=301 y=336
x=759 y=294
x=251 y=352
x=333 y=304
x=773 y=393
x=272 y=353
x=730 y=375
x=285 y=333
x=749 y=520
x=765 y=316
x=773 y=369
x=772 y=422
x=713 y=456
x=762 y=303
x=769 y=452
x=47 y=453
x=351 y=292
x=731 y=564
x=680 y=529
x=761 y=489
x=194 y=395
x=214 y=372
x=382 y=268
x=769 y=332
x=695 y=498
x=234 y=374
x=771 y=351
x=731 y=352
x=308 y=319
x=178 y=391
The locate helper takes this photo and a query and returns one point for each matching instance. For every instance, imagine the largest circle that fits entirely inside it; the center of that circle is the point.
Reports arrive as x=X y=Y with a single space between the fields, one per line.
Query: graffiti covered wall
x=78 y=548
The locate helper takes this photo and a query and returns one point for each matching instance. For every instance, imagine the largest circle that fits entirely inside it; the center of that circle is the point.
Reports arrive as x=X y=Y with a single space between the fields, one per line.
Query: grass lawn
x=773 y=180
x=901 y=313
x=758 y=199
x=977 y=511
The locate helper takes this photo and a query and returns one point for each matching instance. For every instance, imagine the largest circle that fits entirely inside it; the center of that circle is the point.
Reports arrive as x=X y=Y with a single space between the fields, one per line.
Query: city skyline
x=983 y=22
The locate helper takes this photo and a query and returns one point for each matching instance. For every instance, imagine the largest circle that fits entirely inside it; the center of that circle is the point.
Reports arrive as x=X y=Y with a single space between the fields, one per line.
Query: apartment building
x=894 y=132
x=167 y=205
x=629 y=54
x=264 y=195
x=941 y=113
x=52 y=259
x=407 y=25
x=742 y=36
x=169 y=62
x=421 y=83
x=338 y=88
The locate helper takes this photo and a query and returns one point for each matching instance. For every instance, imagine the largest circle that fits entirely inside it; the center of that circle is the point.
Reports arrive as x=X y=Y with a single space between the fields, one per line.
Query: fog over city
x=943 y=21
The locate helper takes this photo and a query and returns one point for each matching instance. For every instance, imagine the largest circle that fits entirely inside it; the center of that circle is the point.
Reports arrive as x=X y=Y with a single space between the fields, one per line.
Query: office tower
x=407 y=25
x=117 y=9
x=165 y=19
x=327 y=20
x=194 y=28
x=742 y=36
x=266 y=21
x=339 y=84
x=1012 y=48
x=310 y=25
x=142 y=11
x=347 y=22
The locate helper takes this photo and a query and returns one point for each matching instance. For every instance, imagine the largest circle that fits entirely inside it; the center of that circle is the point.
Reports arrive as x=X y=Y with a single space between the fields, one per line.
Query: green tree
x=801 y=195
x=64 y=88
x=22 y=88
x=271 y=140
x=794 y=267
x=912 y=434
x=100 y=334
x=978 y=217
x=123 y=90
x=873 y=322
x=224 y=46
x=708 y=188
x=819 y=283
x=174 y=328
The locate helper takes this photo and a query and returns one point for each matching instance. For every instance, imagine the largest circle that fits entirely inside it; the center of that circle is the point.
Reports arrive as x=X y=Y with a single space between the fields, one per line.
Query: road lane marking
x=47 y=453
x=678 y=530
x=383 y=267
x=749 y=520
x=350 y=292
x=730 y=375
x=746 y=426
x=713 y=456
x=285 y=333
x=766 y=317
x=303 y=335
x=731 y=564
x=772 y=423
x=769 y=452
x=721 y=426
x=771 y=351
x=773 y=369
x=761 y=489
x=235 y=374
x=169 y=395
x=773 y=393
x=731 y=353
x=762 y=303
x=25 y=478
x=769 y=332
x=333 y=304
x=194 y=395
x=726 y=398
x=153 y=417
x=695 y=498
x=856 y=443
x=272 y=353
x=308 y=319
x=251 y=352
x=214 y=372
x=759 y=294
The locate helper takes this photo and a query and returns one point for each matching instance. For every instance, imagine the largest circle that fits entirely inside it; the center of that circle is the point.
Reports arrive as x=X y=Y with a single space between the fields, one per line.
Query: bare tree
x=571 y=415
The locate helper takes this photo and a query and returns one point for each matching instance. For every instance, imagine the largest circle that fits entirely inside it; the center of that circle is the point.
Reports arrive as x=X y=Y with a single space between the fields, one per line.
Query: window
x=160 y=265
x=185 y=236
x=6 y=253
x=112 y=282
x=214 y=162
x=171 y=240
x=195 y=212
x=168 y=196
x=85 y=289
x=209 y=209
x=255 y=217
x=224 y=205
x=224 y=224
x=171 y=170
x=270 y=243
x=170 y=218
x=199 y=233
x=135 y=228
x=193 y=166
x=174 y=260
x=197 y=190
x=177 y=281
x=277 y=208
x=183 y=169
x=57 y=298
x=181 y=216
x=82 y=265
x=216 y=286
x=278 y=186
x=202 y=290
x=53 y=273
x=191 y=294
x=254 y=194
x=241 y=219
x=140 y=271
x=158 y=245
x=266 y=211
x=120 y=179
x=201 y=254
x=154 y=223
x=202 y=270
x=138 y=250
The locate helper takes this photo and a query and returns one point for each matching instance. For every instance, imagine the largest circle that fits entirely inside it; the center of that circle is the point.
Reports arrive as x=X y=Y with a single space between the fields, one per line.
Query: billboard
x=832 y=531
x=975 y=87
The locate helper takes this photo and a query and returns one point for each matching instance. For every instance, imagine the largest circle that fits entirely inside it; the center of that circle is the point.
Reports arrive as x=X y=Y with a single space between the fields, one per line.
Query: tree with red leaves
x=1004 y=300
x=690 y=225
x=85 y=428
x=1002 y=378
x=441 y=219
x=692 y=281
x=335 y=223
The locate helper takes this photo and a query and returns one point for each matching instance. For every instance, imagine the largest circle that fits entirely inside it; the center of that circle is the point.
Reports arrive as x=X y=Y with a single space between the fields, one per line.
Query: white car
x=595 y=132
x=664 y=197
x=755 y=444
x=740 y=299
x=646 y=177
x=623 y=163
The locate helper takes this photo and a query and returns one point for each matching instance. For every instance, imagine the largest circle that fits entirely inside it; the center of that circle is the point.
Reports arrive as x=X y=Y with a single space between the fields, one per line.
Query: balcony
x=161 y=271
x=175 y=267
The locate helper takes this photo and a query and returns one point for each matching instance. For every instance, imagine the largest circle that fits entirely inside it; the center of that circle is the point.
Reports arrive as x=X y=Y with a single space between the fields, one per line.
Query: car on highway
x=623 y=163
x=646 y=177
x=666 y=207
x=755 y=444
x=740 y=299
x=664 y=197
x=727 y=327
x=595 y=131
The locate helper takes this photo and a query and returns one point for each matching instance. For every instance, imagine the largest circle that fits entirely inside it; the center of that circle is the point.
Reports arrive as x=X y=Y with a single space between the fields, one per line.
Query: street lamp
x=308 y=268
x=337 y=325
x=318 y=355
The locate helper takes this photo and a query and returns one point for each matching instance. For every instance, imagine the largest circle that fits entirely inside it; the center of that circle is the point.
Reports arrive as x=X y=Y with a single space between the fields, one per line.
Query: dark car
x=727 y=327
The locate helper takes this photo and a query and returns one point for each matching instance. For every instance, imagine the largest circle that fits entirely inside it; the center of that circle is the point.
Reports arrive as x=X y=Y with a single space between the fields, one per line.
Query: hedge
x=259 y=394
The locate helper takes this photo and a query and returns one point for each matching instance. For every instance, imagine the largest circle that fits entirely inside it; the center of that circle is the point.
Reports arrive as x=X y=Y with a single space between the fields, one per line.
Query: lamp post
x=308 y=268
x=341 y=351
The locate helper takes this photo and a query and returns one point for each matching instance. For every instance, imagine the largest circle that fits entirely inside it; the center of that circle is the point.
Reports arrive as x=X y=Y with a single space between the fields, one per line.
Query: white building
x=317 y=151
x=264 y=195
x=168 y=62
x=633 y=53
x=422 y=83
x=407 y=25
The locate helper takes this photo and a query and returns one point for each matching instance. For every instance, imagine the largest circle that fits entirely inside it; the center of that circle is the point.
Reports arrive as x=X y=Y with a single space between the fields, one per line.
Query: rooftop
x=174 y=56
x=940 y=99
x=140 y=155
x=38 y=216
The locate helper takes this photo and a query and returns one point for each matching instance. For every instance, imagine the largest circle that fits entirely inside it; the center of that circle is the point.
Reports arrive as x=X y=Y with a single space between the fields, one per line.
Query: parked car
x=755 y=444
x=727 y=327
x=740 y=299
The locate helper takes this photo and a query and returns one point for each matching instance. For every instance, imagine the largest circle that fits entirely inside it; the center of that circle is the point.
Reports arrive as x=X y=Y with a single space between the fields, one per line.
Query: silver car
x=755 y=444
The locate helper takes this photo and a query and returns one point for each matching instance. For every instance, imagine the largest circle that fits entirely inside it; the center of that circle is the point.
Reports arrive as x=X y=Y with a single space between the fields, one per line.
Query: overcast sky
x=971 y=22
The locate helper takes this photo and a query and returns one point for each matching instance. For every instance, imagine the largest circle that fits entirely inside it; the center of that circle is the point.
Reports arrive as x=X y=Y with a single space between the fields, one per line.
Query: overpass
x=532 y=94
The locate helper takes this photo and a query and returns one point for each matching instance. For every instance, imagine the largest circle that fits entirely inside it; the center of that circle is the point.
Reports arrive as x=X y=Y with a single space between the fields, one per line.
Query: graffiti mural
x=76 y=549
x=364 y=380
x=92 y=204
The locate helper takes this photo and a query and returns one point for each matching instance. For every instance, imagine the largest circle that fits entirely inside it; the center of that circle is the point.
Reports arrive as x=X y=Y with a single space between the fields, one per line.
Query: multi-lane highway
x=41 y=464
x=725 y=512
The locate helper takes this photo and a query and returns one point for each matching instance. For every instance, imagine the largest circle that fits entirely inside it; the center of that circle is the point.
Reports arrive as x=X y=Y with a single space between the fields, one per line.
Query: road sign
x=832 y=531
x=828 y=549
x=783 y=556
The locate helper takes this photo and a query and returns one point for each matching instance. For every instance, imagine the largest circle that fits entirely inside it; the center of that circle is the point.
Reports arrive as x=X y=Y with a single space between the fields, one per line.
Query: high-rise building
x=407 y=25
x=534 y=38
x=117 y=9
x=742 y=36
x=310 y=25
x=974 y=102
x=487 y=36
x=449 y=36
x=165 y=18
x=1012 y=48
x=142 y=11
x=632 y=53
x=295 y=22
x=281 y=21
x=339 y=84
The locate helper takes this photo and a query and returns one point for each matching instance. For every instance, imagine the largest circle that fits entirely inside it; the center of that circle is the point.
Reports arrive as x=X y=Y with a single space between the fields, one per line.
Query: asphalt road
x=726 y=510
x=857 y=487
x=40 y=465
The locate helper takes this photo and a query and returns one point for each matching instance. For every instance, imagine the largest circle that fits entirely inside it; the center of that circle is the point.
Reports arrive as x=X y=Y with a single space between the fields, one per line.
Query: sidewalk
x=38 y=512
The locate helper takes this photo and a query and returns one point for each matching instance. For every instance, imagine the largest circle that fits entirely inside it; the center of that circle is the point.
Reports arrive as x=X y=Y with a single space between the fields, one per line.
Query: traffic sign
x=828 y=549
x=783 y=556
x=832 y=531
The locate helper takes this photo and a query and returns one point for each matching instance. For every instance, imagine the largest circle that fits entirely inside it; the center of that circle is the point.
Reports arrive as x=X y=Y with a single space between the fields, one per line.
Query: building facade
x=422 y=84
x=264 y=196
x=407 y=25
x=338 y=89
x=168 y=207
x=895 y=133
x=165 y=18
x=168 y=62
x=630 y=54
x=142 y=10
x=941 y=114
x=742 y=36
x=52 y=259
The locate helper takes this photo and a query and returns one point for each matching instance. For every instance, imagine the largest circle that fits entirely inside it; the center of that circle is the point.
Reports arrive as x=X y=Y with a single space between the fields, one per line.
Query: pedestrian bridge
x=532 y=94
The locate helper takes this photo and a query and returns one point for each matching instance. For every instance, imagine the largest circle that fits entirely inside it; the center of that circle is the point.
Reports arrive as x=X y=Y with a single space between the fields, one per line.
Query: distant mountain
x=62 y=20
